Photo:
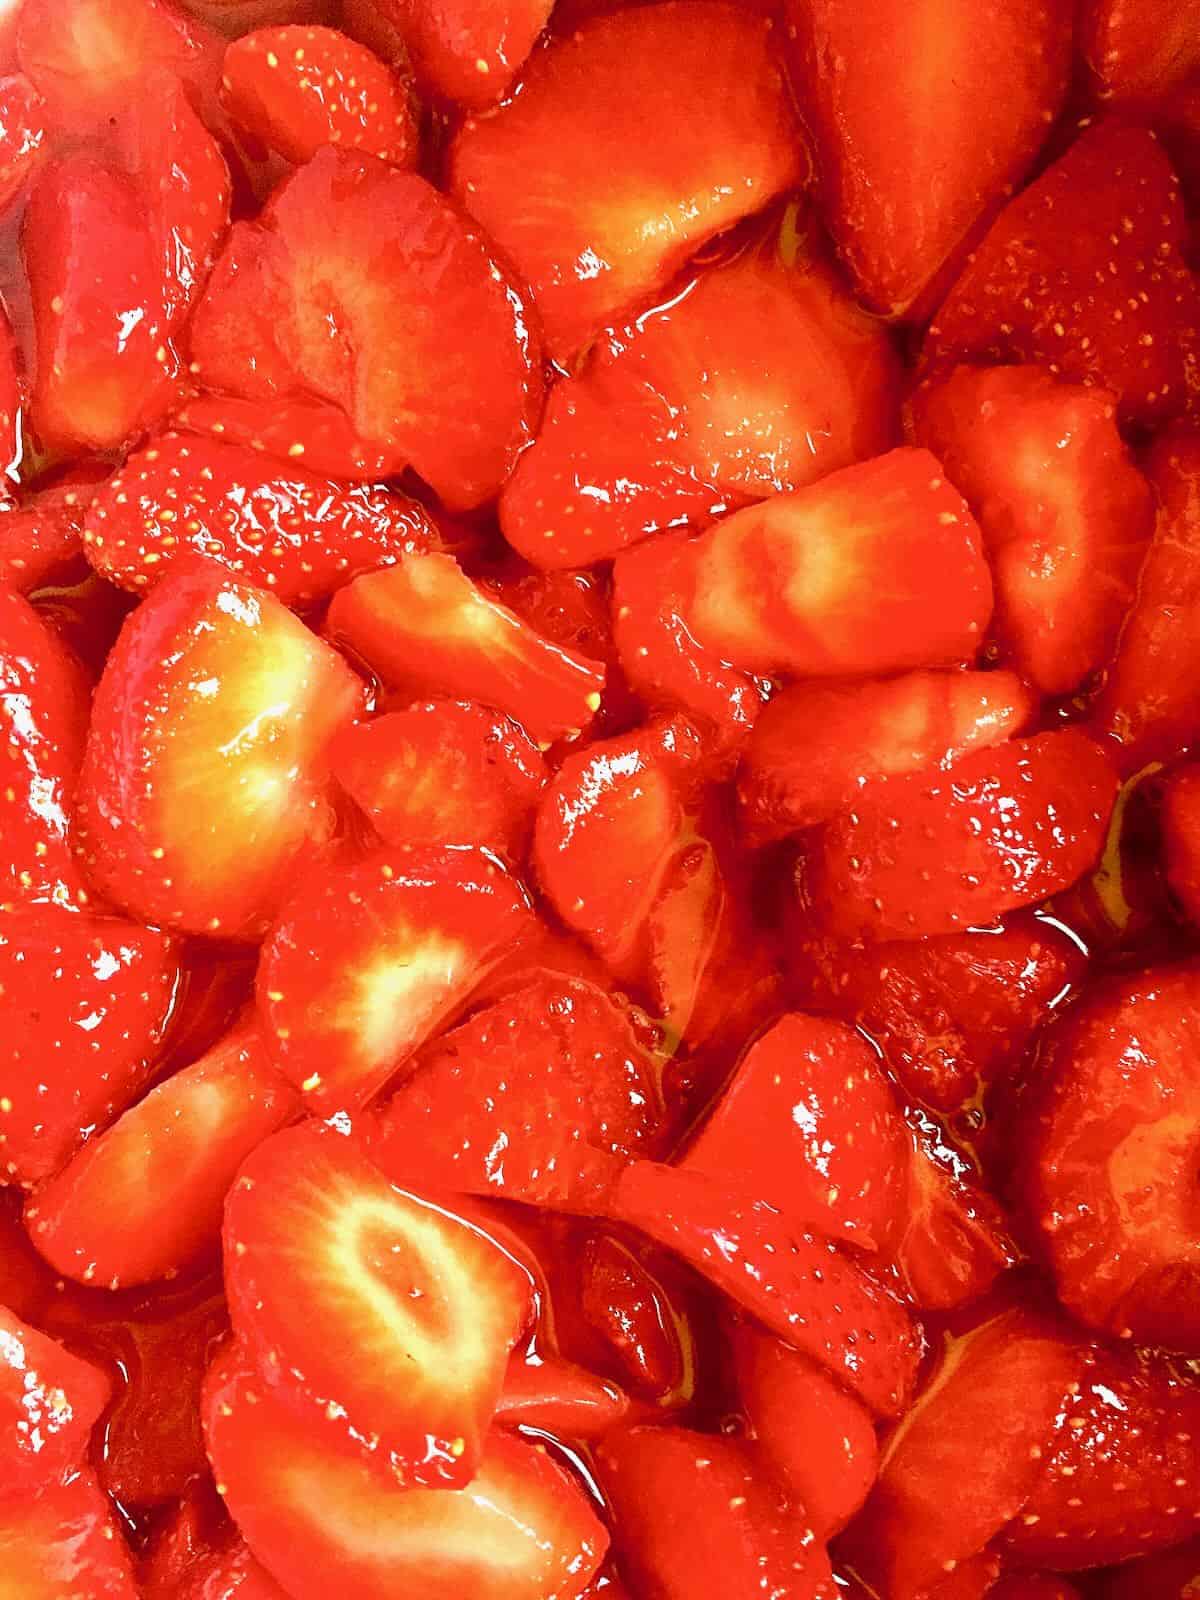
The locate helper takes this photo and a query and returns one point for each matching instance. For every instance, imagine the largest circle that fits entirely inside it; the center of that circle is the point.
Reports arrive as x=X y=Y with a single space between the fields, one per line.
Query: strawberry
x=26 y=1281
x=85 y=1001
x=294 y=89
x=323 y=1521
x=283 y=528
x=64 y=1537
x=1181 y=837
x=1172 y=1576
x=955 y=1241
x=694 y=1517
x=204 y=783
x=49 y=1403
x=999 y=829
x=465 y=50
x=778 y=587
x=1083 y=273
x=234 y=17
x=816 y=745
x=922 y=119
x=84 y=612
x=940 y=1498
x=22 y=137
x=365 y=963
x=1034 y=1586
x=559 y=1398
x=1065 y=515
x=640 y=1318
x=40 y=539
x=632 y=141
x=221 y=1572
x=433 y=366
x=1104 y=1142
x=755 y=376
x=1138 y=53
x=809 y=1124
x=144 y=1199
x=424 y=624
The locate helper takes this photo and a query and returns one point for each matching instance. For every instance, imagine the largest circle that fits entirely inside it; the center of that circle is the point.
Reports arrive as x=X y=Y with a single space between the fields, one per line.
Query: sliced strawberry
x=84 y=1002
x=65 y=1541
x=1038 y=1586
x=1065 y=515
x=468 y=50
x=934 y=854
x=809 y=1124
x=955 y=1240
x=756 y=376
x=940 y=1497
x=365 y=963
x=829 y=1463
x=923 y=119
x=204 y=781
x=284 y=528
x=633 y=140
x=1083 y=273
x=183 y=1565
x=641 y=1319
x=425 y=625
x=26 y=1281
x=694 y=1517
x=49 y=1403
x=778 y=587
x=1181 y=837
x=816 y=744
x=1173 y=1576
x=323 y=1520
x=415 y=344
x=12 y=395
x=1138 y=53
x=41 y=538
x=559 y=1398
x=22 y=137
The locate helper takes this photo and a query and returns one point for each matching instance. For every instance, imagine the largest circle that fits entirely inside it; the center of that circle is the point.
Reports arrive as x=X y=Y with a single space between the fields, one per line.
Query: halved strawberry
x=809 y=1124
x=755 y=376
x=941 y=1495
x=940 y=853
x=64 y=1541
x=1083 y=273
x=424 y=625
x=49 y=1403
x=1181 y=836
x=204 y=781
x=632 y=140
x=40 y=538
x=560 y=1398
x=84 y=1001
x=694 y=1516
x=144 y=1199
x=432 y=363
x=1139 y=52
x=1066 y=516
x=468 y=50
x=955 y=1240
x=22 y=137
x=365 y=962
x=923 y=120
x=815 y=745
x=282 y=527
x=325 y=1520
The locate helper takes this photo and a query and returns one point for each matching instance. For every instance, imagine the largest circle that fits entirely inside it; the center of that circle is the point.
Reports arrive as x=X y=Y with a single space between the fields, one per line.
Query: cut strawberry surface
x=64 y=1541
x=204 y=782
x=424 y=625
x=560 y=1398
x=754 y=377
x=49 y=1403
x=307 y=304
x=640 y=1318
x=464 y=50
x=1138 y=53
x=22 y=137
x=633 y=140
x=955 y=1241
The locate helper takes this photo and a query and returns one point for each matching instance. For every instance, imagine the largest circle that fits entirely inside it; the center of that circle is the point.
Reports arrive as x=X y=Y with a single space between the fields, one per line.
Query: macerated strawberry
x=49 y=1402
x=940 y=1498
x=1172 y=1576
x=632 y=141
x=923 y=120
x=639 y=1318
x=1040 y=1586
x=284 y=528
x=809 y=1124
x=940 y=853
x=1083 y=272
x=422 y=624
x=204 y=783
x=815 y=744
x=1137 y=53
x=12 y=400
x=754 y=377
x=365 y=962
x=235 y=17
x=694 y=1516
x=40 y=538
x=560 y=1398
x=955 y=1240
x=324 y=1519
x=220 y=1571
x=65 y=1537
x=1066 y=516
x=1181 y=836
x=467 y=50
x=22 y=137
x=416 y=350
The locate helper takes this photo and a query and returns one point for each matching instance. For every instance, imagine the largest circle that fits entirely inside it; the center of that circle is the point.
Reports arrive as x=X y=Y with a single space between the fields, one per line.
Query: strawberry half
x=1138 y=53
x=204 y=782
x=40 y=538
x=49 y=1403
x=633 y=140
x=955 y=1240
x=434 y=365
x=468 y=50
x=67 y=1535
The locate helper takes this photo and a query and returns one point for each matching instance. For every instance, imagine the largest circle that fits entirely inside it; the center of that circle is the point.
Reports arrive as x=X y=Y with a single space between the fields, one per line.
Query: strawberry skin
x=1137 y=53
x=468 y=50
x=49 y=1403
x=22 y=137
x=40 y=538
x=69 y=1533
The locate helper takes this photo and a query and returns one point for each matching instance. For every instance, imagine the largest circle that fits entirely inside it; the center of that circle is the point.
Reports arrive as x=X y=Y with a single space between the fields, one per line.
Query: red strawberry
x=65 y=1535
x=632 y=141
x=41 y=538
x=1139 y=52
x=234 y=17
x=815 y=745
x=224 y=1571
x=640 y=1319
x=1172 y=1576
x=1083 y=273
x=283 y=528
x=809 y=1124
x=1035 y=1586
x=1065 y=515
x=433 y=365
x=323 y=1521
x=295 y=89
x=22 y=137
x=425 y=625
x=1181 y=837
x=12 y=397
x=940 y=1497
x=26 y=1281
x=84 y=1001
x=49 y=1403
x=999 y=829
x=468 y=50
x=559 y=1398
x=756 y=376
x=365 y=963
x=923 y=119
x=204 y=781
x=955 y=1241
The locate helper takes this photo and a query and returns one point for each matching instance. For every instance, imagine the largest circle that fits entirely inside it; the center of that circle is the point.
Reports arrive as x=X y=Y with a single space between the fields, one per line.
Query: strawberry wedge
x=467 y=50
x=49 y=1402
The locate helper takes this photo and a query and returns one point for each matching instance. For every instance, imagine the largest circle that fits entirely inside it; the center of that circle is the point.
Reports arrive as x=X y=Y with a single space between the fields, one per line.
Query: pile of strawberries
x=599 y=870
